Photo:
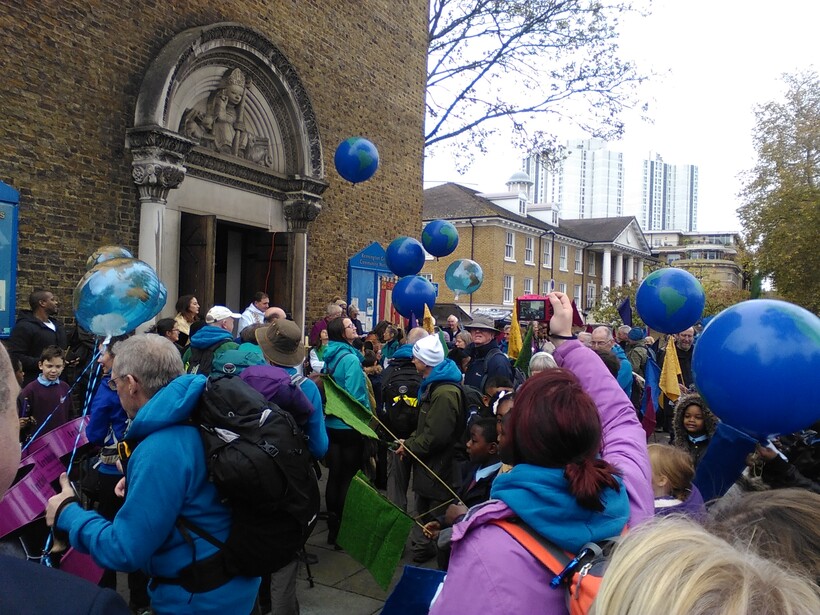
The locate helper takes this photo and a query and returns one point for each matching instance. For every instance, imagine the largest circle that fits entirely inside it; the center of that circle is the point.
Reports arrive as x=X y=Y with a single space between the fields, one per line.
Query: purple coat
x=488 y=567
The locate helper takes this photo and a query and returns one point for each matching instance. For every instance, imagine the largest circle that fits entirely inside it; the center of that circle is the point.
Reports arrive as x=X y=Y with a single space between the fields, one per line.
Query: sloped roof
x=452 y=201
x=596 y=230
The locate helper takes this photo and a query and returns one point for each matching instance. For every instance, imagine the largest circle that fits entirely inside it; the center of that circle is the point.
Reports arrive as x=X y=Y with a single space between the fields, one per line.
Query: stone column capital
x=301 y=212
x=158 y=157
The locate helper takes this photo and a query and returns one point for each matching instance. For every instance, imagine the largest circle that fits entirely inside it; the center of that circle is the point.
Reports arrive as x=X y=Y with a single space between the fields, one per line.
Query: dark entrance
x=225 y=264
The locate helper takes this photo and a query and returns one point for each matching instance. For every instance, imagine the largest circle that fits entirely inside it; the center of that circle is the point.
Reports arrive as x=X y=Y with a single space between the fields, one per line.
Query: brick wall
x=72 y=72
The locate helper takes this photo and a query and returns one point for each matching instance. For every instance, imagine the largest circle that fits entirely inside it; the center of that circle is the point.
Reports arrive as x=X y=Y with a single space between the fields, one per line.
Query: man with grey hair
x=26 y=587
x=541 y=361
x=585 y=338
x=332 y=312
x=622 y=335
x=400 y=385
x=166 y=479
x=602 y=339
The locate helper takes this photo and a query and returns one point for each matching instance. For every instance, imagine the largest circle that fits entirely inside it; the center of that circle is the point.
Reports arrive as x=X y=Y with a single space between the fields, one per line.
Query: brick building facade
x=78 y=84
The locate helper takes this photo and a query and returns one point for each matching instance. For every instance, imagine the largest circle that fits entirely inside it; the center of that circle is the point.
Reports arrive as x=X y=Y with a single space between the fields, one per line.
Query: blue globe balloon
x=756 y=365
x=405 y=256
x=439 y=238
x=670 y=300
x=411 y=293
x=106 y=253
x=118 y=295
x=464 y=277
x=356 y=159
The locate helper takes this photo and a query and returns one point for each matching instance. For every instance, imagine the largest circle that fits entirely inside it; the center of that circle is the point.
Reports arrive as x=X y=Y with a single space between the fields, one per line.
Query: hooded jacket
x=441 y=423
x=344 y=364
x=166 y=478
x=29 y=337
x=492 y=568
x=682 y=439
x=207 y=337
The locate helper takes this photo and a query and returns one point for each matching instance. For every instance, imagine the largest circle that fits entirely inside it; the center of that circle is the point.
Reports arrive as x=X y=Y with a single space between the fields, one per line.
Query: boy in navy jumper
x=46 y=396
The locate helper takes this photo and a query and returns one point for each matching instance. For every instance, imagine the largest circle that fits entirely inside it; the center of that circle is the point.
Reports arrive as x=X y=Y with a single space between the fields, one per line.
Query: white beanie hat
x=428 y=350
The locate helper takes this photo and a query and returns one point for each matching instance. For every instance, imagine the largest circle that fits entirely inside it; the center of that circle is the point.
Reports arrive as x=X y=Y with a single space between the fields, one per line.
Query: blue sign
x=363 y=272
x=9 y=200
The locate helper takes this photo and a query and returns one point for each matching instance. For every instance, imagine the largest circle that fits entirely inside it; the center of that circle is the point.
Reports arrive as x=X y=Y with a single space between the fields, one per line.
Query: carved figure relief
x=219 y=122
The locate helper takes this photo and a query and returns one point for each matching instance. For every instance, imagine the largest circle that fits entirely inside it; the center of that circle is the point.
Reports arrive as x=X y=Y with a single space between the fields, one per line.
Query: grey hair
x=541 y=361
x=465 y=337
x=608 y=332
x=334 y=310
x=624 y=329
x=415 y=334
x=152 y=360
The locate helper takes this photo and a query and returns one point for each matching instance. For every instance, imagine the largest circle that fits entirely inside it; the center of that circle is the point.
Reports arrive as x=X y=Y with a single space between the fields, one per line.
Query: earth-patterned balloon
x=439 y=238
x=404 y=256
x=756 y=365
x=356 y=159
x=411 y=293
x=670 y=300
x=106 y=253
x=117 y=296
x=464 y=276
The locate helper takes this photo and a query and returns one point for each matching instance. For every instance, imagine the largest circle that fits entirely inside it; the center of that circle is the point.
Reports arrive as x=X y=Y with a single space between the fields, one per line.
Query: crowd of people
x=464 y=446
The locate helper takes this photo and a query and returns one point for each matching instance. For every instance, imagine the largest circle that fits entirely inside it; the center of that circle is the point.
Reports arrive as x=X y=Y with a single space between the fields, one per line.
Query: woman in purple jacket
x=581 y=473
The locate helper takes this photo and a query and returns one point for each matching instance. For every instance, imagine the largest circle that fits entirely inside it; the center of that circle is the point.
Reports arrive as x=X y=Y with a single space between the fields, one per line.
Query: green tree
x=781 y=198
x=606 y=311
x=719 y=297
x=518 y=60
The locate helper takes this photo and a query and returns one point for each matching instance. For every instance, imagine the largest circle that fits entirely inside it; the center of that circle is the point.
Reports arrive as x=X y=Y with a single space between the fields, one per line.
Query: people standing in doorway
x=187 y=313
x=255 y=312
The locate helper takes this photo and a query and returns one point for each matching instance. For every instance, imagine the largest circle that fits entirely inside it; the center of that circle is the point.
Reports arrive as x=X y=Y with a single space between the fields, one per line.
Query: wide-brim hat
x=282 y=343
x=482 y=322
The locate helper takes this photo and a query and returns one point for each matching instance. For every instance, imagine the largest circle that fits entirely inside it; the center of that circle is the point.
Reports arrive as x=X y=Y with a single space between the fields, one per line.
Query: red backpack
x=580 y=574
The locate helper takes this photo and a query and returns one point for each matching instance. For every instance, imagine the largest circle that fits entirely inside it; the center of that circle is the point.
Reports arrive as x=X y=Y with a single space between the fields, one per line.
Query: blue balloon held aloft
x=118 y=295
x=106 y=253
x=356 y=159
x=439 y=238
x=756 y=365
x=405 y=256
x=411 y=293
x=464 y=277
x=670 y=300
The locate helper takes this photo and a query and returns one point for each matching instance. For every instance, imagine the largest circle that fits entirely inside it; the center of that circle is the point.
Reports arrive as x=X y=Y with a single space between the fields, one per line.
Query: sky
x=714 y=61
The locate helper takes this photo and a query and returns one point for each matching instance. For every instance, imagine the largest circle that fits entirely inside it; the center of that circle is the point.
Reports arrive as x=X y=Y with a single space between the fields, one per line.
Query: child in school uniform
x=672 y=474
x=45 y=402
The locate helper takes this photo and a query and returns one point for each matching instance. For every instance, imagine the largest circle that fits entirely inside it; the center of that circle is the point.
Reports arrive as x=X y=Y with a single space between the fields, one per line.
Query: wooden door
x=197 y=257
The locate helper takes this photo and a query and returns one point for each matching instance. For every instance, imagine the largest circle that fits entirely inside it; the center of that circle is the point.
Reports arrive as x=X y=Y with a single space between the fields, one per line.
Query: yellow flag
x=515 y=343
x=427 y=323
x=670 y=372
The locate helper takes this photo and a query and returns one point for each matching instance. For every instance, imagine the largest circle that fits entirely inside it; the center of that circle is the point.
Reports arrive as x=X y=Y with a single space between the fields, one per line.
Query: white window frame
x=591 y=264
x=562 y=287
x=546 y=256
x=509 y=282
x=545 y=287
x=529 y=251
x=509 y=247
x=562 y=258
x=591 y=295
x=576 y=294
x=527 y=286
x=427 y=276
x=579 y=260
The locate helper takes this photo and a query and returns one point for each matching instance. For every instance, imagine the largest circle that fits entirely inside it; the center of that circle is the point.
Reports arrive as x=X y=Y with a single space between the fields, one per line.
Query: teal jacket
x=166 y=478
x=344 y=364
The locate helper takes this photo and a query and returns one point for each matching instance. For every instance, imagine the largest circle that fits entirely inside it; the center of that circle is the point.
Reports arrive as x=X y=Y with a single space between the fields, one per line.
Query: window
x=546 y=287
x=547 y=259
x=508 y=290
x=562 y=258
x=509 y=247
x=528 y=258
x=591 y=265
x=579 y=260
x=562 y=287
x=427 y=276
x=527 y=286
x=590 y=296
x=576 y=294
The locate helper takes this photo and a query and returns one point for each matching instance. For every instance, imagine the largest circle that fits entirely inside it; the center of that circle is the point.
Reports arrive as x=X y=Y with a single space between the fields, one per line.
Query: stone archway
x=221 y=106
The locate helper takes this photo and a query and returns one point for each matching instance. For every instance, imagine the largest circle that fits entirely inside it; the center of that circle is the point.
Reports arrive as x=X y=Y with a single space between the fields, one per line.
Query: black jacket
x=28 y=339
x=480 y=370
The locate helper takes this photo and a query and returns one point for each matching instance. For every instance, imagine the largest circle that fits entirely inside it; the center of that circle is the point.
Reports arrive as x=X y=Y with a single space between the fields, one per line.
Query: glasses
x=112 y=384
x=350 y=326
x=603 y=344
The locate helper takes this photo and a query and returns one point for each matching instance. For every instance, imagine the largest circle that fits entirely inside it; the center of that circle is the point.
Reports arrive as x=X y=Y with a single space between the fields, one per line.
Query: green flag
x=524 y=356
x=342 y=405
x=373 y=530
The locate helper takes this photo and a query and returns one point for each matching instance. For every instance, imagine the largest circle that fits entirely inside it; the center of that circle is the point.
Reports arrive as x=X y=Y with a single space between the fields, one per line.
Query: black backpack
x=400 y=387
x=518 y=377
x=264 y=474
x=201 y=359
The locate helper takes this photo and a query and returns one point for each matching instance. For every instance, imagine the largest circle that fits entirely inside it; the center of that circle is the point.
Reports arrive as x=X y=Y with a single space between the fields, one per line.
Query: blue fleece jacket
x=625 y=372
x=166 y=478
x=446 y=371
x=209 y=335
x=344 y=364
x=541 y=498
x=315 y=426
x=107 y=421
x=405 y=351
